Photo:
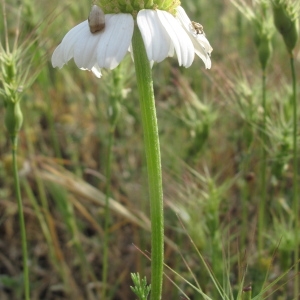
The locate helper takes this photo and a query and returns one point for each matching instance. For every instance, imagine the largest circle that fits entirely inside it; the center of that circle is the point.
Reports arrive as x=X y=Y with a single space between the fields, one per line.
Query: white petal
x=57 y=57
x=204 y=56
x=64 y=52
x=114 y=41
x=183 y=17
x=85 y=48
x=181 y=41
x=171 y=50
x=205 y=43
x=157 y=41
x=94 y=51
x=203 y=49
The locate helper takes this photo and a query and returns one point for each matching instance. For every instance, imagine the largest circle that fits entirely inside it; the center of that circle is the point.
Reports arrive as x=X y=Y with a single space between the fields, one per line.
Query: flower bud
x=286 y=23
x=13 y=117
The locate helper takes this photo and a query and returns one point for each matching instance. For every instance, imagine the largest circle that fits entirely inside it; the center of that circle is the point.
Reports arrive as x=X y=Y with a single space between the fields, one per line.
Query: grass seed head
x=286 y=14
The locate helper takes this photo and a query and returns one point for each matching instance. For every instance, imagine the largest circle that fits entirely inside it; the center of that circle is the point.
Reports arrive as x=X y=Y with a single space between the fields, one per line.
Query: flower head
x=165 y=32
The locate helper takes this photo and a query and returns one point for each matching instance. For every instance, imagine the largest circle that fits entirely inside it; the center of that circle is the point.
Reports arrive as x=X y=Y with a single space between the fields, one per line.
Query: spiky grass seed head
x=286 y=14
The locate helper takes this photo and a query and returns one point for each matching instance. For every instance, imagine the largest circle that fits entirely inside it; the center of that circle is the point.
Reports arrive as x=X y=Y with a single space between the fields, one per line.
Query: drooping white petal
x=203 y=49
x=104 y=49
x=183 y=17
x=203 y=55
x=202 y=46
x=181 y=41
x=85 y=48
x=114 y=41
x=205 y=43
x=171 y=50
x=57 y=57
x=157 y=41
x=64 y=51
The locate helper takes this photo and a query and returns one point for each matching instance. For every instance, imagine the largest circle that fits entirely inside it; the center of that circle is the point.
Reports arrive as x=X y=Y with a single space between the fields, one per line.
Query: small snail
x=197 y=27
x=96 y=19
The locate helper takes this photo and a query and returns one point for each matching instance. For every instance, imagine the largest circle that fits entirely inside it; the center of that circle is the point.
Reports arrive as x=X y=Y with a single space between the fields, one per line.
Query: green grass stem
x=14 y=140
x=113 y=114
x=295 y=177
x=107 y=212
x=263 y=174
x=152 y=149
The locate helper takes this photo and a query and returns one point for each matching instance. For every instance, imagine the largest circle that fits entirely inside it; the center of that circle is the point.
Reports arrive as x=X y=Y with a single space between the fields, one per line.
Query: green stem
x=152 y=149
x=295 y=178
x=262 y=202
x=14 y=140
x=107 y=213
x=113 y=114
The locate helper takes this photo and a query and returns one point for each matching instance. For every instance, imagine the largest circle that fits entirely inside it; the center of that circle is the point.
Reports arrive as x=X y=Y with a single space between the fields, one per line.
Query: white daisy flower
x=163 y=34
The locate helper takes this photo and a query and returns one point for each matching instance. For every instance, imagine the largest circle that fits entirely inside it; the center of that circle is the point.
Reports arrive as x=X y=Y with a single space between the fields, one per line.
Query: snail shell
x=96 y=19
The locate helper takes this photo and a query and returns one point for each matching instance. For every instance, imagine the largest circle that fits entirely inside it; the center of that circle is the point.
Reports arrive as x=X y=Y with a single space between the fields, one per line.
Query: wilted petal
x=202 y=46
x=203 y=49
x=181 y=41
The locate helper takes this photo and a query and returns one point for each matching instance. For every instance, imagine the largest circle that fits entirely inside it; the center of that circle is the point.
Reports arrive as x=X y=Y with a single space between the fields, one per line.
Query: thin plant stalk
x=107 y=213
x=152 y=150
x=262 y=202
x=113 y=112
x=14 y=140
x=295 y=176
